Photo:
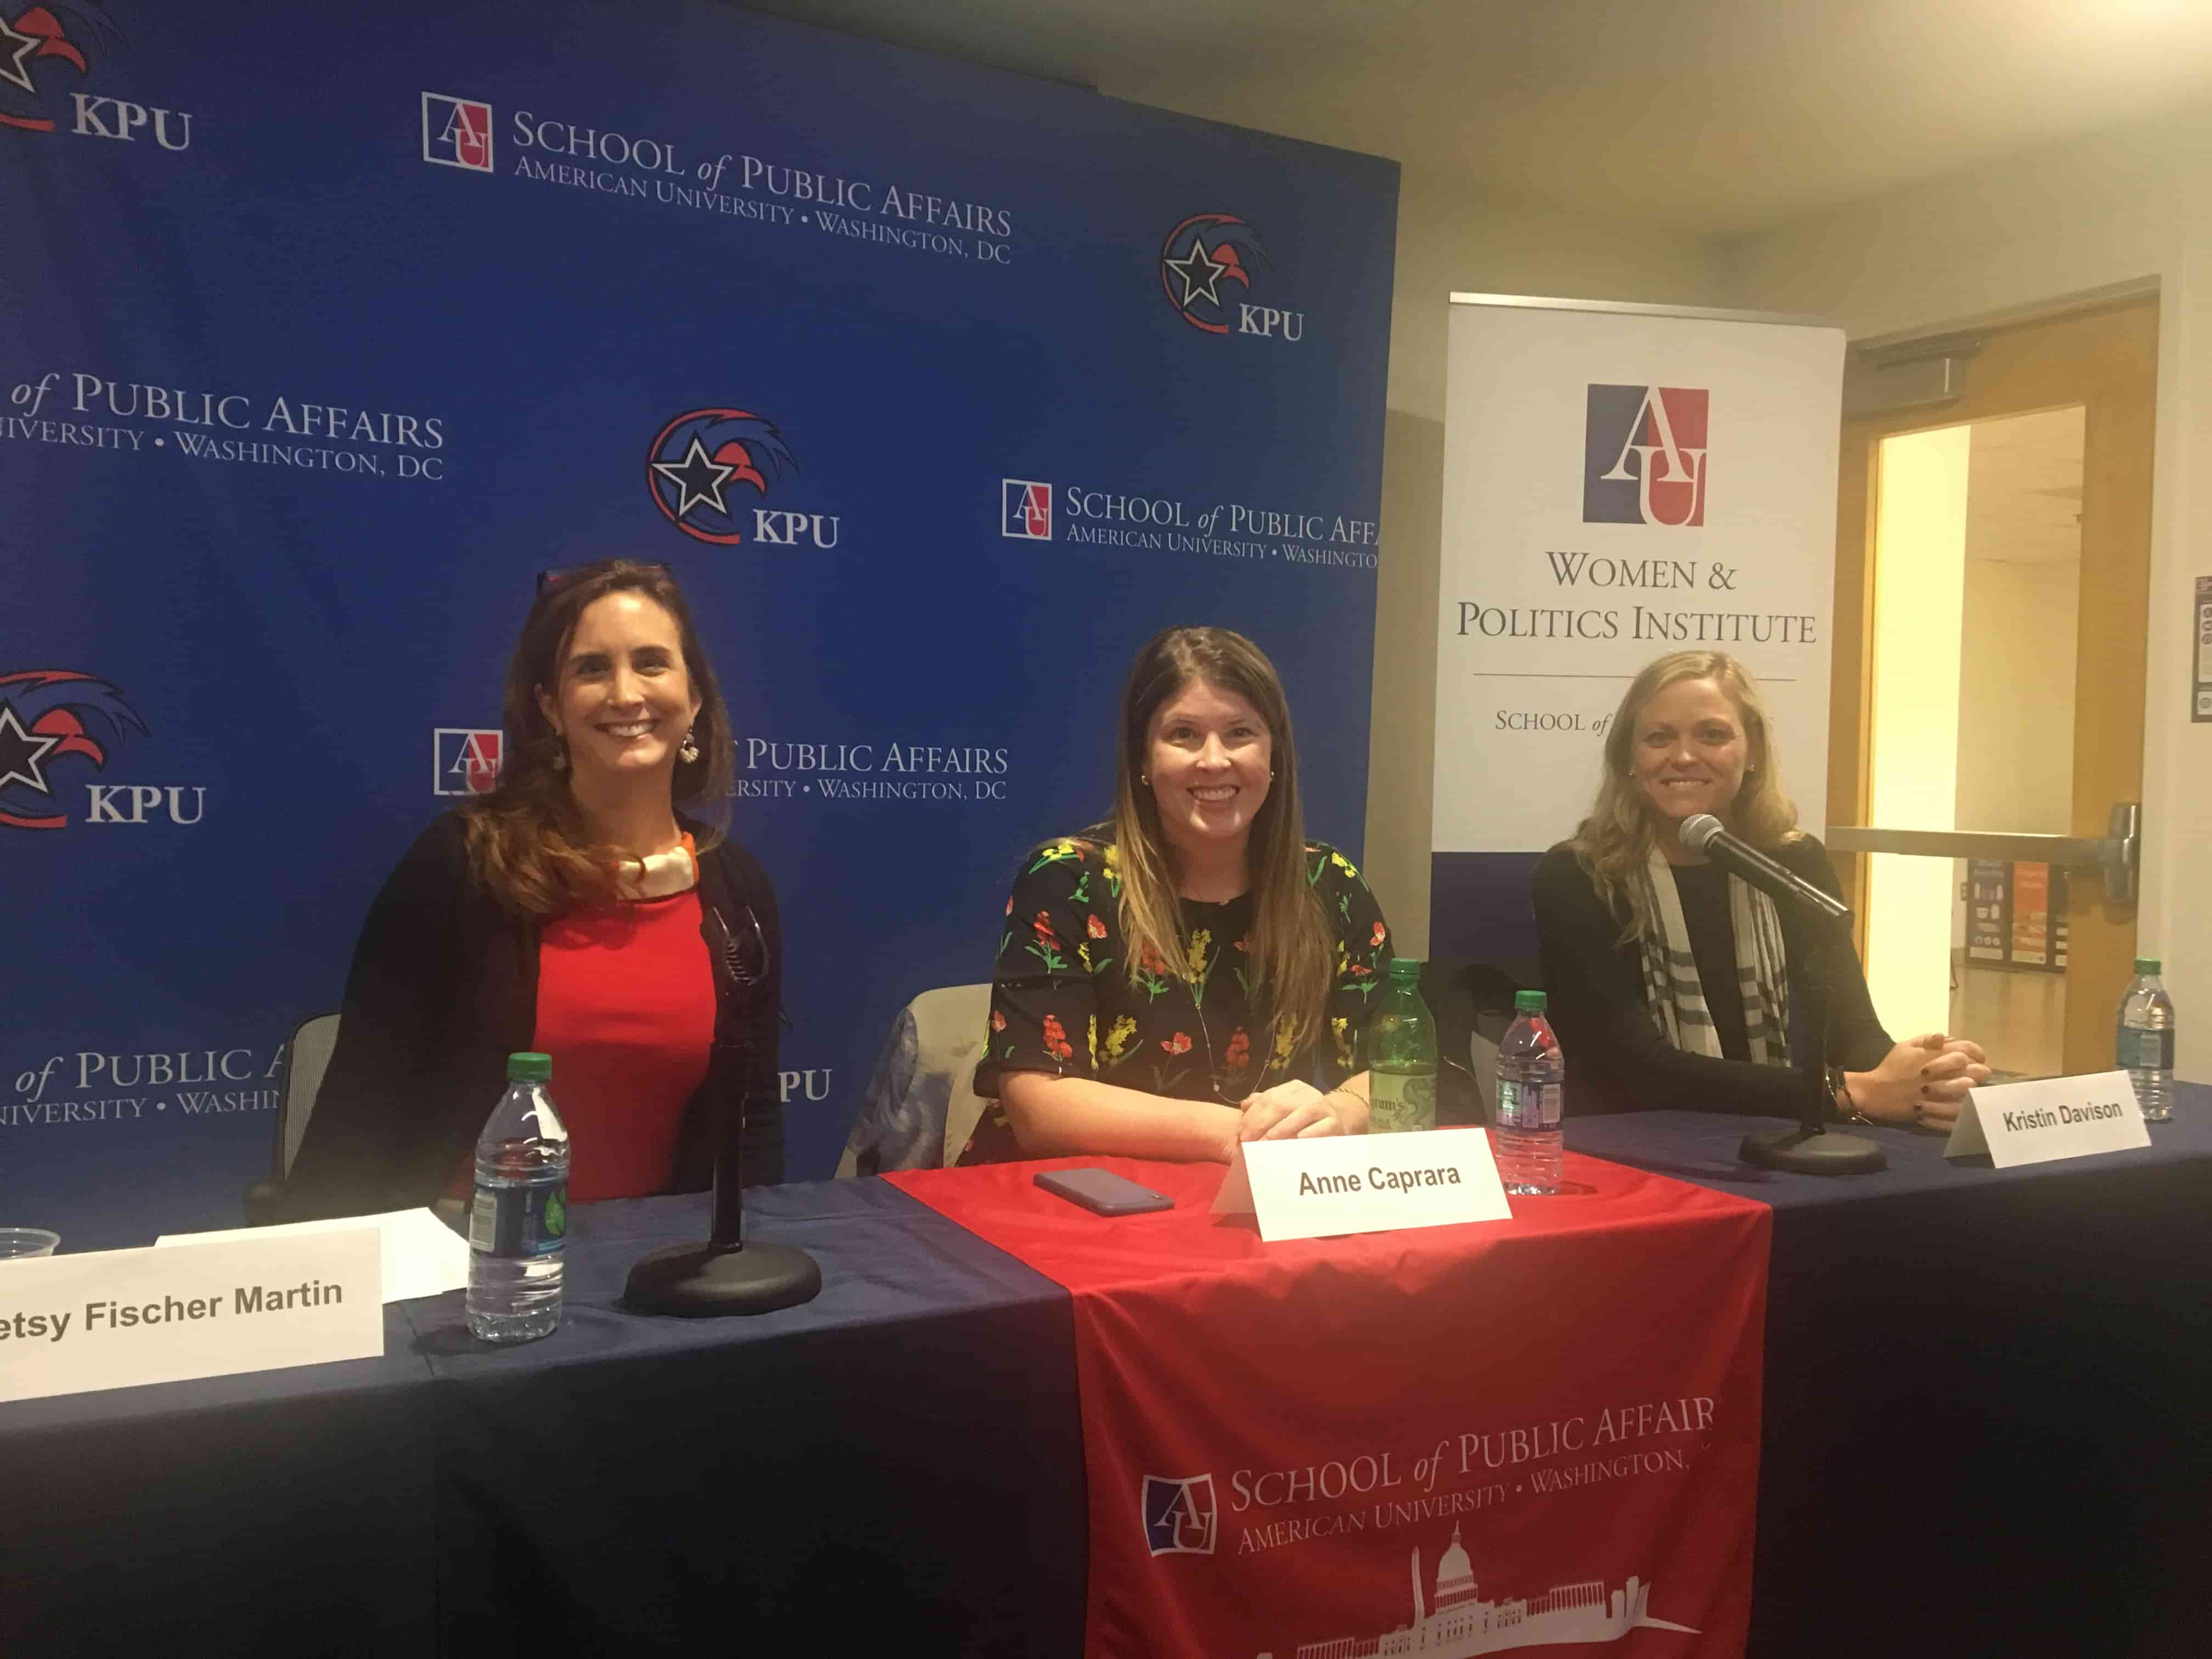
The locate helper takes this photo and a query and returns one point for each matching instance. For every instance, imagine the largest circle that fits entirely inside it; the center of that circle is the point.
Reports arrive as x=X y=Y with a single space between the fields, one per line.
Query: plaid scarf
x=1677 y=997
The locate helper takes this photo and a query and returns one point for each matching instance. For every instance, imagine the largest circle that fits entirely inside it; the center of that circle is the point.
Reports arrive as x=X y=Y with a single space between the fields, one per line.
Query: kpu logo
x=1025 y=509
x=1644 y=456
x=465 y=760
x=51 y=715
x=456 y=132
x=1180 y=1515
x=1201 y=254
x=700 y=458
x=73 y=36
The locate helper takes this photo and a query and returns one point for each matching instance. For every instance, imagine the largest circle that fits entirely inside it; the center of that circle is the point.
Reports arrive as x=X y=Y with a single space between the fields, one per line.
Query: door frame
x=2103 y=355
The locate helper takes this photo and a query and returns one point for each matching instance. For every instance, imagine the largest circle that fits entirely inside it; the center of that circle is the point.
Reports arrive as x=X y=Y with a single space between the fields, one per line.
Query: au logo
x=456 y=132
x=1180 y=1515
x=466 y=760
x=704 y=461
x=1025 y=509
x=1644 y=456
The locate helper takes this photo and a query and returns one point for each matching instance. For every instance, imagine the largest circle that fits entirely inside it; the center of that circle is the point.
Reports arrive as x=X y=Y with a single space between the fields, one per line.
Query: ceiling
x=1703 y=115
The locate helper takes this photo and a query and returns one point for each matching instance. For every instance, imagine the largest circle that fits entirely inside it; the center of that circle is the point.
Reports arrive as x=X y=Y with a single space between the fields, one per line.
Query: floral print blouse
x=1063 y=1000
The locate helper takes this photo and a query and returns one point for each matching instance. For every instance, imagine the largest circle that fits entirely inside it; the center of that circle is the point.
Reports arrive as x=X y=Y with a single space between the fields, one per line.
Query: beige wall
x=2119 y=207
x=2016 y=702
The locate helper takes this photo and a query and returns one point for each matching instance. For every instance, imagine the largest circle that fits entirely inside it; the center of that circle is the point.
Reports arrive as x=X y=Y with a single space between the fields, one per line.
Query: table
x=919 y=1469
x=897 y=1463
x=1540 y=1433
x=1988 y=1392
x=879 y=1469
x=255 y=1507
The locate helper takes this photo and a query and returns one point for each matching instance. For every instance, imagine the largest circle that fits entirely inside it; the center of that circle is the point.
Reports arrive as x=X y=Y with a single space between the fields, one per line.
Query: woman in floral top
x=1181 y=978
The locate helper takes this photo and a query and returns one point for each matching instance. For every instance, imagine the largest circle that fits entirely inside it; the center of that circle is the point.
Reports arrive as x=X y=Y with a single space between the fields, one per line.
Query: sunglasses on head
x=743 y=950
x=562 y=575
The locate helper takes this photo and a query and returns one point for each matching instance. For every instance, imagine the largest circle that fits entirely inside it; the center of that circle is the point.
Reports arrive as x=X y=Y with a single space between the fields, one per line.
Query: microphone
x=1704 y=834
x=1812 y=1148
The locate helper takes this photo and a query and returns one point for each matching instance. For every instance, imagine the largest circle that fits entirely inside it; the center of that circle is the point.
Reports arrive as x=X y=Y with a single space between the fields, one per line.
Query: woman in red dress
x=572 y=910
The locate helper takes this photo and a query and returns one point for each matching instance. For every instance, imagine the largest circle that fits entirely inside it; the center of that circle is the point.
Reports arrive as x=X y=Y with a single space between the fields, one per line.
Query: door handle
x=2117 y=852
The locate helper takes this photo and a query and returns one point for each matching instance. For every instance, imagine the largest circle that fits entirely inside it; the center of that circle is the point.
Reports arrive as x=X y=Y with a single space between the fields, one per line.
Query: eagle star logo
x=1203 y=252
x=703 y=461
x=27 y=43
x=47 y=716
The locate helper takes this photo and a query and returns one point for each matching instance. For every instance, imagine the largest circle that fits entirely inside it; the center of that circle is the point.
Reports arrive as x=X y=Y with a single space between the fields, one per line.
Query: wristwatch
x=1842 y=1108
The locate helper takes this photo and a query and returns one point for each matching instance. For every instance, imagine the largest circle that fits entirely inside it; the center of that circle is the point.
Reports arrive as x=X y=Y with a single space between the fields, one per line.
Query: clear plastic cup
x=21 y=1243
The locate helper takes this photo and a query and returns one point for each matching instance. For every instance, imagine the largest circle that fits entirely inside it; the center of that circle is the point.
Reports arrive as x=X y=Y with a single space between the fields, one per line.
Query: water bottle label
x=2146 y=1050
x=1528 y=1105
x=519 y=1222
x=1396 y=1103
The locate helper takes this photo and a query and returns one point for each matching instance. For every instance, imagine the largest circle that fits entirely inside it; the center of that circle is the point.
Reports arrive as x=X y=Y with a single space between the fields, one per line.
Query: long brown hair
x=1290 y=938
x=1616 y=843
x=526 y=840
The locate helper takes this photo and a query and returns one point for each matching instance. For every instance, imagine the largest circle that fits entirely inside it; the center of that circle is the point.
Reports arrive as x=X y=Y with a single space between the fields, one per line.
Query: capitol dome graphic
x=1457 y=1622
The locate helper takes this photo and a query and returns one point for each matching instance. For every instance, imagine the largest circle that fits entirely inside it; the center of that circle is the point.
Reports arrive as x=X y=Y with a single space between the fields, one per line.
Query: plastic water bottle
x=2143 y=1041
x=519 y=1220
x=1531 y=1075
x=1402 y=1055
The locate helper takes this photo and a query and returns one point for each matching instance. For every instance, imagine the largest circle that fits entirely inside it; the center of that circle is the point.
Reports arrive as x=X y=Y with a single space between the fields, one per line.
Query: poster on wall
x=939 y=389
x=1620 y=481
x=1989 y=897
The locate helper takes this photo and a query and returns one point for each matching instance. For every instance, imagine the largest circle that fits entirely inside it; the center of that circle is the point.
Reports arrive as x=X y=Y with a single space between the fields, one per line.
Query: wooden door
x=2106 y=360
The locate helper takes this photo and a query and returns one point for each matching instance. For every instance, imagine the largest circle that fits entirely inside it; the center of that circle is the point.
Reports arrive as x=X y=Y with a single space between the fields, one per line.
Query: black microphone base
x=1814 y=1151
x=706 y=1281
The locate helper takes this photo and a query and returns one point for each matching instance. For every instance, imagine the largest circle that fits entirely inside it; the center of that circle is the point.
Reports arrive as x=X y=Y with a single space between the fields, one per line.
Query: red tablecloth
x=1446 y=1441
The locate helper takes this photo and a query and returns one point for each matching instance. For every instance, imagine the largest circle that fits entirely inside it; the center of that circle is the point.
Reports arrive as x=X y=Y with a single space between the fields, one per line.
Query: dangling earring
x=560 y=753
x=1145 y=778
x=688 y=750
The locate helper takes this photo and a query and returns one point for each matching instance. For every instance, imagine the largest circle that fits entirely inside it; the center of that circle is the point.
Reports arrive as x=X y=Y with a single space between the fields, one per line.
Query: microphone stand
x=725 y=1275
x=1813 y=1148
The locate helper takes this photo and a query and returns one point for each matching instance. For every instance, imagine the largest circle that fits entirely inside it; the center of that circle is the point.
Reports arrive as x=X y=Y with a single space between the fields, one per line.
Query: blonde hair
x=1614 y=843
x=1291 y=949
x=526 y=842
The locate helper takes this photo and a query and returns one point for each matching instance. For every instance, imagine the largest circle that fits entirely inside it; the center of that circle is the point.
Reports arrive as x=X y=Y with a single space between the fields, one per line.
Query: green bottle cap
x=1527 y=1002
x=2146 y=965
x=1405 y=968
x=529 y=1068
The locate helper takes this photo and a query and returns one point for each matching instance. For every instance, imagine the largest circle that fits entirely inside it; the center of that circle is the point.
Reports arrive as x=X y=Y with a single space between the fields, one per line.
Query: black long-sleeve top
x=444 y=987
x=1618 y=1059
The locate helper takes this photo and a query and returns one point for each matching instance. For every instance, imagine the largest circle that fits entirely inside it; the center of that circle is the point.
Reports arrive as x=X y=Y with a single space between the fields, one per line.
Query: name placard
x=2052 y=1117
x=1335 y=1184
x=115 y=1318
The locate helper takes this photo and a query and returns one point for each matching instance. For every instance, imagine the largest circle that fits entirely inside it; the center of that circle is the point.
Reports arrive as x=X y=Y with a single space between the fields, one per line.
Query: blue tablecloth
x=1986 y=1421
x=898 y=1463
x=1985 y=1432
x=255 y=1509
x=895 y=1467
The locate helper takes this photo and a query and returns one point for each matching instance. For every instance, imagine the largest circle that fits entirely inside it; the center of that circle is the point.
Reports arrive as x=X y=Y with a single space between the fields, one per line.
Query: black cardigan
x=444 y=987
x=1618 y=1060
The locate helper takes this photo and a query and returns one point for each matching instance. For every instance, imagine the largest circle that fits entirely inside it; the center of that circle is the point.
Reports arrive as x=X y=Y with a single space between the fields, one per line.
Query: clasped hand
x=1924 y=1079
x=1292 y=1110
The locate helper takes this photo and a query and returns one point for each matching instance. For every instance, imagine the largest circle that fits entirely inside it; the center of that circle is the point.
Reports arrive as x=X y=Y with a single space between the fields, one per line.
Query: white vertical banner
x=1619 y=483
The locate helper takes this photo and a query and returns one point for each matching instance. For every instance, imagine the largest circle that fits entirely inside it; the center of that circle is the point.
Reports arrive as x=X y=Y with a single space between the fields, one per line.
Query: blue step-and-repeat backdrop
x=327 y=328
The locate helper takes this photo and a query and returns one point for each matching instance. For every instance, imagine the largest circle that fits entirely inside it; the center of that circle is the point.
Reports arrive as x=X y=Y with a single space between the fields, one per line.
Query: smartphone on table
x=1103 y=1192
